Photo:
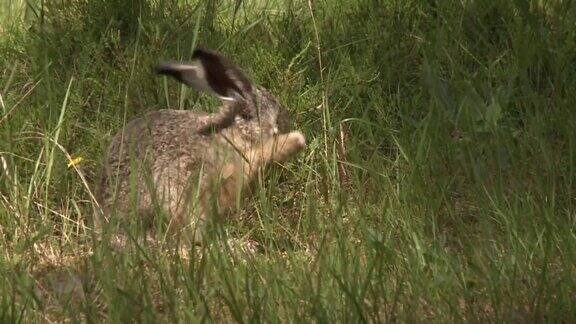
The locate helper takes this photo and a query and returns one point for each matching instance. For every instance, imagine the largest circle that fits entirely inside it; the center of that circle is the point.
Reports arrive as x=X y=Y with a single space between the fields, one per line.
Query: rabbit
x=189 y=165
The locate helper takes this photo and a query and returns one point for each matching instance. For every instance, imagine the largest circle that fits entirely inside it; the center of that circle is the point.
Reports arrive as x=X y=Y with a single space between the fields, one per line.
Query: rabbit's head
x=270 y=116
x=211 y=72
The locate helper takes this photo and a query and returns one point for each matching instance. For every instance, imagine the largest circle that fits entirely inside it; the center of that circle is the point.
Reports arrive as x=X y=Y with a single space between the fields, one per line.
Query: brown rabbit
x=191 y=165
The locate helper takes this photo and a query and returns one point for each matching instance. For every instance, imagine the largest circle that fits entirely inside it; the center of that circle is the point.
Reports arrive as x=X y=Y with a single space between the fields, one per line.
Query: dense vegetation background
x=451 y=197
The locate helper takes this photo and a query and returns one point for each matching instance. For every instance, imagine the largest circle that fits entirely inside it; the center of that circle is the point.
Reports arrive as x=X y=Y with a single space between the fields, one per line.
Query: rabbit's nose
x=274 y=130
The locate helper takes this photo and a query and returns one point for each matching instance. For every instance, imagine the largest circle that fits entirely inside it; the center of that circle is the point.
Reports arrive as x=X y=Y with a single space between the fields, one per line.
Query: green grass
x=459 y=200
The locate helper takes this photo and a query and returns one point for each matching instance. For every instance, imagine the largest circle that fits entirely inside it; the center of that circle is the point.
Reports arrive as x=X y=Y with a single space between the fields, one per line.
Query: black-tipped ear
x=224 y=76
x=210 y=71
x=165 y=68
x=191 y=74
x=172 y=69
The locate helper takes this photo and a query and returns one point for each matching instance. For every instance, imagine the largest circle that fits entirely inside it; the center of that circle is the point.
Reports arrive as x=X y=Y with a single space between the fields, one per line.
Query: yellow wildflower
x=75 y=161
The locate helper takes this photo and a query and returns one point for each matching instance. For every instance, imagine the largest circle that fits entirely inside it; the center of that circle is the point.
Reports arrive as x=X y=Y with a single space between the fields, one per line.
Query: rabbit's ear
x=212 y=72
x=191 y=74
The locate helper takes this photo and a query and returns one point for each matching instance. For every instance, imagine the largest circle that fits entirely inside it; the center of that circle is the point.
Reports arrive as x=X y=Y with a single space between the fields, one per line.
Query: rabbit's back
x=158 y=157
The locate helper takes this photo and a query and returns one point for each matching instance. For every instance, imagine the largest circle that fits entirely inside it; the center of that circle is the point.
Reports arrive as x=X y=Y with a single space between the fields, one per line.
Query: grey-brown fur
x=179 y=162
